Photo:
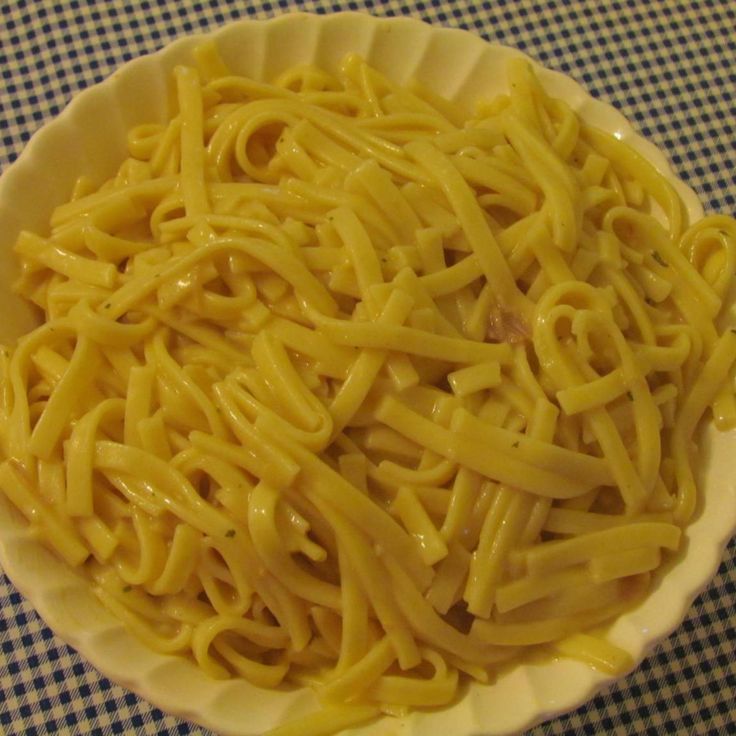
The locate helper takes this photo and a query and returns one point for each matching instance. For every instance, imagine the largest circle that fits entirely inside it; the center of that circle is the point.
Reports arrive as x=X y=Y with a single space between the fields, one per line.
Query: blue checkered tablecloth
x=669 y=66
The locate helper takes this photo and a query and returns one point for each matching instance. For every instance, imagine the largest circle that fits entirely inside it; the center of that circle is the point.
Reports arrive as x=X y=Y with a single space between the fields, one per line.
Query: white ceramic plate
x=88 y=137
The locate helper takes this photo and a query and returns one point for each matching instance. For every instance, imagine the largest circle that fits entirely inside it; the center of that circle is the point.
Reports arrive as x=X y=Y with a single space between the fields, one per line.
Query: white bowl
x=458 y=65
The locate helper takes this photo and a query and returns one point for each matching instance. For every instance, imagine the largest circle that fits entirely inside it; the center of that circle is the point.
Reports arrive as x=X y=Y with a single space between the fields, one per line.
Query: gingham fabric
x=669 y=66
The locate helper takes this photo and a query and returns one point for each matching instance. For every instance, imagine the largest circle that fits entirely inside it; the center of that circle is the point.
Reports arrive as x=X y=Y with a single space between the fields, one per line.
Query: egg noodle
x=341 y=387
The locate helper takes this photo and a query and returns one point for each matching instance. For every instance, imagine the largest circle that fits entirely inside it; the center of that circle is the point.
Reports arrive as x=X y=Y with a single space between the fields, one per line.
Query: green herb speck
x=658 y=258
x=127 y=588
x=630 y=395
x=230 y=533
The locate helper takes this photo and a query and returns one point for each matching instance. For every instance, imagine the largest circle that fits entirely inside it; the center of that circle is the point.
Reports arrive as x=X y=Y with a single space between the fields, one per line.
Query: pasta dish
x=340 y=385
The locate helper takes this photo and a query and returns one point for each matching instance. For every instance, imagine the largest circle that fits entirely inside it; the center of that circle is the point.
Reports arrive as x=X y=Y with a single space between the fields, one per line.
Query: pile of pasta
x=340 y=386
